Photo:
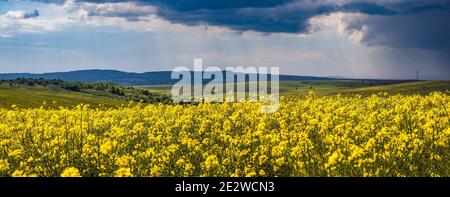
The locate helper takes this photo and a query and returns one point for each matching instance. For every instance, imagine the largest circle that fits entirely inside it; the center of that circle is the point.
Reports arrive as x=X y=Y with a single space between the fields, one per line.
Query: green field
x=35 y=96
x=344 y=87
x=31 y=97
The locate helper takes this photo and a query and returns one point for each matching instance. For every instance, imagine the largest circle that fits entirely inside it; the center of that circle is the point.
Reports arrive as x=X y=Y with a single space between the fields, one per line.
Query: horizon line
x=424 y=78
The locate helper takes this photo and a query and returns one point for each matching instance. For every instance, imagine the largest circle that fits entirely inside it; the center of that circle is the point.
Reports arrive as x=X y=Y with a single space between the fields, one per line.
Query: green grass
x=406 y=88
x=32 y=97
x=161 y=89
x=421 y=87
x=343 y=87
x=35 y=96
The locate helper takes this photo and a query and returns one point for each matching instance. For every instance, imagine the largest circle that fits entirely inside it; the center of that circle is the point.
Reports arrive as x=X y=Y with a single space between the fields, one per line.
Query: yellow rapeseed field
x=379 y=135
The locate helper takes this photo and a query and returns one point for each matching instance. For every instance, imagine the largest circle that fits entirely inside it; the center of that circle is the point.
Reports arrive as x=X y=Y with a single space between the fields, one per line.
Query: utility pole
x=417 y=74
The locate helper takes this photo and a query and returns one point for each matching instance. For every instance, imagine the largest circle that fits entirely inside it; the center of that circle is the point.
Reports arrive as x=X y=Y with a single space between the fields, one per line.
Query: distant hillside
x=30 y=92
x=124 y=78
x=359 y=87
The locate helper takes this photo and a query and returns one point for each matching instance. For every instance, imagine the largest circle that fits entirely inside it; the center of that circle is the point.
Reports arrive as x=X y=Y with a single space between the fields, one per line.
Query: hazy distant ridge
x=124 y=78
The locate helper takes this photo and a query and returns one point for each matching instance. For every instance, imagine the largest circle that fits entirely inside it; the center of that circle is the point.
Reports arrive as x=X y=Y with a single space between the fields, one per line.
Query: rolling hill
x=29 y=92
x=352 y=87
x=124 y=78
x=33 y=97
x=100 y=87
x=343 y=87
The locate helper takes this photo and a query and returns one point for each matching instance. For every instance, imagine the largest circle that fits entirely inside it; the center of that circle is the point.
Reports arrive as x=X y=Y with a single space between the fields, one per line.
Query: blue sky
x=375 y=39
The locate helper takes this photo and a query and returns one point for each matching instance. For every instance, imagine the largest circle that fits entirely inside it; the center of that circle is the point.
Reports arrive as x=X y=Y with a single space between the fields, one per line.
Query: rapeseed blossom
x=70 y=172
x=378 y=135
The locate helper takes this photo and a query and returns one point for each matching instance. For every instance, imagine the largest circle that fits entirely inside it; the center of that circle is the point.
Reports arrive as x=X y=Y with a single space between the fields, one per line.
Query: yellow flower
x=333 y=159
x=262 y=173
x=4 y=165
x=123 y=172
x=70 y=172
x=344 y=135
x=280 y=161
x=106 y=147
x=211 y=162
x=18 y=173
x=125 y=161
x=313 y=122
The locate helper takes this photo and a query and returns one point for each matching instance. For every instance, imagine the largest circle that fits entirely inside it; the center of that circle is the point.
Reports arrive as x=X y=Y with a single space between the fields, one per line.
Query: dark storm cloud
x=427 y=30
x=267 y=16
x=367 y=8
x=192 y=5
x=272 y=16
x=408 y=23
x=287 y=19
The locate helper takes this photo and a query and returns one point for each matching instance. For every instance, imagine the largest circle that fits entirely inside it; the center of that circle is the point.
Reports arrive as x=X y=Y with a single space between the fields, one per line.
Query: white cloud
x=14 y=22
x=55 y=17
x=127 y=10
x=338 y=21
x=21 y=14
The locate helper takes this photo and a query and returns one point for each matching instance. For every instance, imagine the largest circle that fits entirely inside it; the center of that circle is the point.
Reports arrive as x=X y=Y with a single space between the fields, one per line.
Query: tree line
x=103 y=89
